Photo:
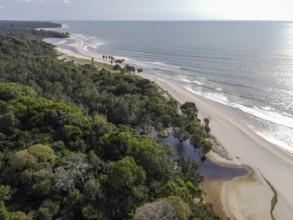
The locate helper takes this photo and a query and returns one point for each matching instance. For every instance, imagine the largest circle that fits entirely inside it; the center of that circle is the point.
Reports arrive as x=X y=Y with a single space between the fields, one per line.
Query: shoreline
x=243 y=197
x=77 y=50
x=246 y=148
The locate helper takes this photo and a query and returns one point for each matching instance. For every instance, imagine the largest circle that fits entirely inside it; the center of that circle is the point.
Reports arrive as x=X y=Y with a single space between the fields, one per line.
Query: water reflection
x=208 y=169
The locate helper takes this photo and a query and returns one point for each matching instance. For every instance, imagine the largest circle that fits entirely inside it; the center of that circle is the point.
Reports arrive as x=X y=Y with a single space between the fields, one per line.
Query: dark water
x=208 y=169
x=245 y=65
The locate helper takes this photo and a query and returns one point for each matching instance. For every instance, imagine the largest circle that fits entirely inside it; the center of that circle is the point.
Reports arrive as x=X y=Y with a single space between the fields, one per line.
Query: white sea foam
x=182 y=79
x=267 y=113
x=268 y=108
x=264 y=113
x=196 y=92
x=178 y=78
x=61 y=41
x=217 y=97
x=79 y=37
x=202 y=78
x=94 y=46
x=271 y=138
x=165 y=76
x=289 y=92
x=86 y=48
x=88 y=41
x=65 y=26
x=198 y=83
x=271 y=116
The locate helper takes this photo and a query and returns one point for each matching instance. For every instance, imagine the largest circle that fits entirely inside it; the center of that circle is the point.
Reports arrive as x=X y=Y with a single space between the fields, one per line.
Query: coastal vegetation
x=75 y=143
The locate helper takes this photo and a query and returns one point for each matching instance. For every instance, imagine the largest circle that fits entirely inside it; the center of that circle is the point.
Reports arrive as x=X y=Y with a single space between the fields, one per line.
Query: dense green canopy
x=70 y=146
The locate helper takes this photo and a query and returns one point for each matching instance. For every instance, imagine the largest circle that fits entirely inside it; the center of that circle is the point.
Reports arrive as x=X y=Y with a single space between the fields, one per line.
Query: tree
x=22 y=159
x=10 y=91
x=47 y=210
x=8 y=122
x=124 y=88
x=4 y=213
x=71 y=132
x=151 y=156
x=91 y=189
x=71 y=206
x=164 y=209
x=125 y=174
x=189 y=170
x=128 y=68
x=29 y=157
x=126 y=179
x=89 y=212
x=160 y=210
x=184 y=189
x=72 y=174
x=166 y=120
x=206 y=125
x=117 y=67
x=5 y=193
x=101 y=126
x=18 y=216
x=139 y=70
x=189 y=109
x=148 y=154
x=42 y=153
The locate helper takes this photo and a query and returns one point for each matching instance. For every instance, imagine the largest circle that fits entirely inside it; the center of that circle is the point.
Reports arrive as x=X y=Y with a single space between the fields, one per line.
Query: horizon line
x=161 y=20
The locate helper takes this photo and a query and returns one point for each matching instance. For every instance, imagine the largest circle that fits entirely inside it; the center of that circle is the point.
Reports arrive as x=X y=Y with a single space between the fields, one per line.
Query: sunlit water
x=245 y=65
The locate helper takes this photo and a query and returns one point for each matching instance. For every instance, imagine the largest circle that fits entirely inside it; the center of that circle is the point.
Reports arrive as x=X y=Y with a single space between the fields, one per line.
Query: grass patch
x=86 y=61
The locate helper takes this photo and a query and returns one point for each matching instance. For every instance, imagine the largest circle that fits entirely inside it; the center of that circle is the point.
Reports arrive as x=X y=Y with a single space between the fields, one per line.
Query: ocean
x=247 y=65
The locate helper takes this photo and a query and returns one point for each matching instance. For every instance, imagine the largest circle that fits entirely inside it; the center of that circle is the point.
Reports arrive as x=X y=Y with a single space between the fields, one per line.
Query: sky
x=146 y=9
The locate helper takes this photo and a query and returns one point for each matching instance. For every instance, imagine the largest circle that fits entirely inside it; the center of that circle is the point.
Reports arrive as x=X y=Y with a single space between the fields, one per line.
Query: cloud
x=66 y=1
x=28 y=1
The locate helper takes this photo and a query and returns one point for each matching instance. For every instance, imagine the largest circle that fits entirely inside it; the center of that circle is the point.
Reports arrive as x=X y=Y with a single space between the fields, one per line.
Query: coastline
x=247 y=197
x=246 y=148
x=76 y=50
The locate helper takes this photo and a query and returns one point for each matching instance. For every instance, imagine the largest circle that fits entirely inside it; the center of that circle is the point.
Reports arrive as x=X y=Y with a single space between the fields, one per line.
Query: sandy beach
x=247 y=197
x=77 y=50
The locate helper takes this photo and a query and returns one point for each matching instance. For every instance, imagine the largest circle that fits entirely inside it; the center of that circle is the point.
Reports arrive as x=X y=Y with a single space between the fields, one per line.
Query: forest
x=75 y=138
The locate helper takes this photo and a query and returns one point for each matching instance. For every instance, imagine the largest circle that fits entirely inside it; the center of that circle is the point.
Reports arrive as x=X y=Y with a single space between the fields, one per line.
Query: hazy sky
x=146 y=9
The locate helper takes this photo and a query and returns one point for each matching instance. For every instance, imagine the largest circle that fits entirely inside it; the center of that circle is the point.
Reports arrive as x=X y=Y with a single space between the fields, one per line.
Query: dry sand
x=77 y=50
x=248 y=197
